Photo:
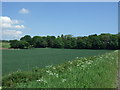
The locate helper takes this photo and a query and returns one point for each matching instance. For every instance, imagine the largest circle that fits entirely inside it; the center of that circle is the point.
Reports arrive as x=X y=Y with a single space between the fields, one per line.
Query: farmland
x=83 y=72
x=5 y=44
x=49 y=45
x=14 y=60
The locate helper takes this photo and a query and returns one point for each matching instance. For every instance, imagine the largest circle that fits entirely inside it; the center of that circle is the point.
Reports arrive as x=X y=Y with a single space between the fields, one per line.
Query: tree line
x=102 y=41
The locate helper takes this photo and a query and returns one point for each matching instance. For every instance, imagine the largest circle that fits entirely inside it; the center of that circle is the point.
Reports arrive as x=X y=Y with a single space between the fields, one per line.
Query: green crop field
x=22 y=59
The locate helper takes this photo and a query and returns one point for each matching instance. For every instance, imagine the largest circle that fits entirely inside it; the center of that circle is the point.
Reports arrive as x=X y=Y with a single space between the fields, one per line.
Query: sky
x=56 y=18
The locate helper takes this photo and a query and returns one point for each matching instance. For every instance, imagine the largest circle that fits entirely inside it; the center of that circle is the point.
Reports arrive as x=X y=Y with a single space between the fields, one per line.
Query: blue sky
x=50 y=18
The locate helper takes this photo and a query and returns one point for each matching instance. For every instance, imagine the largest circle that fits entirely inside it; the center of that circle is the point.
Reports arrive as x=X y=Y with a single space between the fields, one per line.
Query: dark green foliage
x=50 y=40
x=58 y=43
x=14 y=43
x=119 y=40
x=27 y=38
x=23 y=45
x=39 y=42
x=19 y=44
x=103 y=41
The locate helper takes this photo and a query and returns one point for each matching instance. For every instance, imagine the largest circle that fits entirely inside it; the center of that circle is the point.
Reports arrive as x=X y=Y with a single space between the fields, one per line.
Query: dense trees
x=102 y=41
x=39 y=42
x=19 y=44
x=27 y=38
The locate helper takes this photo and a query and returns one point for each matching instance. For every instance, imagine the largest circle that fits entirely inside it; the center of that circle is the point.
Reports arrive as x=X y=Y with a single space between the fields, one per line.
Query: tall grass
x=5 y=45
x=91 y=72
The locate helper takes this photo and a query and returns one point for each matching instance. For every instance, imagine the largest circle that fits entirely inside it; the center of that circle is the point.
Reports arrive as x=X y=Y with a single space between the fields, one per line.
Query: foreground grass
x=91 y=72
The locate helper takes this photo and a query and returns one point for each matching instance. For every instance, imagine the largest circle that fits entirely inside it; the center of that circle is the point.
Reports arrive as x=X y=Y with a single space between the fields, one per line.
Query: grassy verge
x=91 y=72
x=5 y=44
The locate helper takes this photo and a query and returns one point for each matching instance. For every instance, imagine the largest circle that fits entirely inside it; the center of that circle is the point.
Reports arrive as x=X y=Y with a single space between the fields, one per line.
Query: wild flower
x=83 y=67
x=56 y=75
x=78 y=65
x=84 y=58
x=100 y=57
x=88 y=63
x=54 y=68
x=41 y=80
x=77 y=57
x=82 y=62
x=0 y=88
x=63 y=80
x=112 y=57
x=69 y=62
x=49 y=72
x=38 y=80
x=49 y=66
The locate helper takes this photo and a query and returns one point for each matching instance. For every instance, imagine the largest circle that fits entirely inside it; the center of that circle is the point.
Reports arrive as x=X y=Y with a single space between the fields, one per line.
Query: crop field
x=24 y=60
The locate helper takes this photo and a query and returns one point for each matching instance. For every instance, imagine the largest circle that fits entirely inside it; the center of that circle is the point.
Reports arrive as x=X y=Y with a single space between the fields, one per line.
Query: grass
x=85 y=72
x=5 y=44
x=25 y=60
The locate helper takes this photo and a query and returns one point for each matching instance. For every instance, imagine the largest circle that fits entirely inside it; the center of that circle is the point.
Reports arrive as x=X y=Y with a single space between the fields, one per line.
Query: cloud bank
x=12 y=33
x=10 y=28
x=7 y=22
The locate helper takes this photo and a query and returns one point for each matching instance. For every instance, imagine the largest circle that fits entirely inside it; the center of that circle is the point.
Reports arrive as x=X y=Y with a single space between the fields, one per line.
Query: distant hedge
x=102 y=41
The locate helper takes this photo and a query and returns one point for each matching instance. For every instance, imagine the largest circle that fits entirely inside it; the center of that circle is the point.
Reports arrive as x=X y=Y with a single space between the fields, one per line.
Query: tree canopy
x=102 y=41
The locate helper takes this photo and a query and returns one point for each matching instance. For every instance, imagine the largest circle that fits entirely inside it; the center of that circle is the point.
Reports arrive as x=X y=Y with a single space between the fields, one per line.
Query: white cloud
x=4 y=25
x=6 y=19
x=7 y=22
x=10 y=28
x=12 y=33
x=24 y=11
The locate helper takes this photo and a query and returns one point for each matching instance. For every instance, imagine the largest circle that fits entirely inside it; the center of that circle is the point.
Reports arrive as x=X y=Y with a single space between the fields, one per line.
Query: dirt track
x=5 y=48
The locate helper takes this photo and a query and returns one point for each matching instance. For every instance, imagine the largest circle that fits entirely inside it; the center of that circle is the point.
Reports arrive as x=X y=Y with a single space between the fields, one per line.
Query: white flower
x=63 y=80
x=51 y=73
x=88 y=63
x=76 y=57
x=70 y=62
x=54 y=68
x=56 y=75
x=41 y=80
x=0 y=88
x=38 y=80
x=100 y=57
x=83 y=66
x=112 y=57
x=48 y=71
x=49 y=66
